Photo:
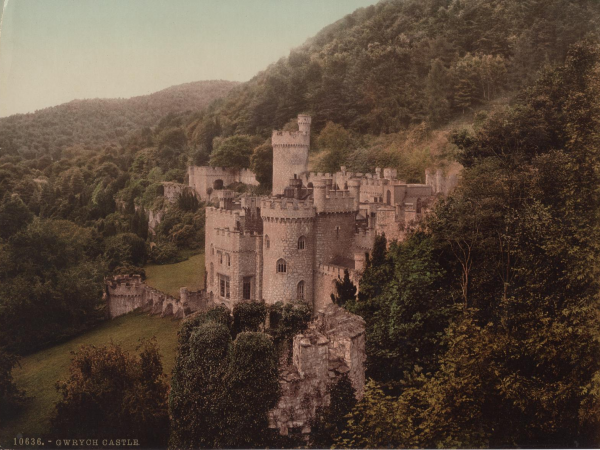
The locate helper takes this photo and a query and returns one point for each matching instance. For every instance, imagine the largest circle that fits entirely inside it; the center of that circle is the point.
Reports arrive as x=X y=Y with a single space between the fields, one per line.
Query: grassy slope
x=39 y=372
x=169 y=278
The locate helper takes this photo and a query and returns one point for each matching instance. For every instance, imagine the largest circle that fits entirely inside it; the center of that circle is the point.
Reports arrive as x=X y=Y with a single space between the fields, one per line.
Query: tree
x=112 y=393
x=261 y=163
x=11 y=397
x=14 y=216
x=438 y=106
x=222 y=390
x=233 y=152
x=330 y=421
x=345 y=290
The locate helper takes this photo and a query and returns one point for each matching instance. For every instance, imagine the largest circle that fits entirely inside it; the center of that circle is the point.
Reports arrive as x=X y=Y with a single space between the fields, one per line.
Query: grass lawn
x=39 y=372
x=169 y=278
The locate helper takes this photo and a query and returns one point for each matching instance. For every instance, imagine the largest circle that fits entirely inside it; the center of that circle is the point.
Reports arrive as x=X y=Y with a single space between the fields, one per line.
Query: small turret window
x=281 y=266
x=300 y=290
x=267 y=242
x=301 y=243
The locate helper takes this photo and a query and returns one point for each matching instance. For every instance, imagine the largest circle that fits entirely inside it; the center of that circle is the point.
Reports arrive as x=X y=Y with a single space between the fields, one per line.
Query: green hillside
x=39 y=372
x=95 y=123
x=402 y=62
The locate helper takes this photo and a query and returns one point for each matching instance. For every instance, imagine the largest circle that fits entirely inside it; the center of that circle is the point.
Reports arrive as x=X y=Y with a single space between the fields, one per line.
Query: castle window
x=247 y=288
x=224 y=286
x=301 y=243
x=337 y=232
x=281 y=266
x=228 y=259
x=212 y=249
x=220 y=255
x=389 y=198
x=212 y=273
x=267 y=242
x=300 y=291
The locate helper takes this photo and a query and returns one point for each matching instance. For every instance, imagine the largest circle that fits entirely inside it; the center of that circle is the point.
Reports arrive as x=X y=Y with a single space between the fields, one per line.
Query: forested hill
x=95 y=123
x=402 y=62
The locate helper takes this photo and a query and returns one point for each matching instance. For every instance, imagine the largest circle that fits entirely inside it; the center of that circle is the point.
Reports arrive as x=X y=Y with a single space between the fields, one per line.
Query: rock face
x=333 y=344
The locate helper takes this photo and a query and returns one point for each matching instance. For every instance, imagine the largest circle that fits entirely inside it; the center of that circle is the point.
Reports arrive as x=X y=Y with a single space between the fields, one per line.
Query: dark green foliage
x=253 y=390
x=11 y=397
x=519 y=245
x=222 y=390
x=110 y=392
x=345 y=290
x=331 y=420
x=234 y=152
x=261 y=163
x=14 y=216
x=139 y=223
x=50 y=285
x=287 y=320
x=249 y=316
x=188 y=202
x=125 y=248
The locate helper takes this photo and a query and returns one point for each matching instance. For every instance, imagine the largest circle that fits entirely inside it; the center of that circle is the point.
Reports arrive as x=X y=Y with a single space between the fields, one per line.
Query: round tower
x=354 y=188
x=288 y=250
x=290 y=154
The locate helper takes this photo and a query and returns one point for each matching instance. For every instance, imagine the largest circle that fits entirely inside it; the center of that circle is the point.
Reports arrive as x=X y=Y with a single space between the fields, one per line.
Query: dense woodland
x=481 y=327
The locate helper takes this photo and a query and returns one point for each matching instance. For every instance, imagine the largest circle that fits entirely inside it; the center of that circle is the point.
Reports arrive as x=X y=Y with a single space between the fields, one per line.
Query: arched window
x=228 y=259
x=300 y=291
x=220 y=255
x=281 y=266
x=212 y=249
x=389 y=198
x=212 y=274
x=301 y=243
x=267 y=242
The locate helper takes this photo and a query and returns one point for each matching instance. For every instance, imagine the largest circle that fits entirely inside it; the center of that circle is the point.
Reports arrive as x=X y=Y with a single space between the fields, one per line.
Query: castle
x=296 y=242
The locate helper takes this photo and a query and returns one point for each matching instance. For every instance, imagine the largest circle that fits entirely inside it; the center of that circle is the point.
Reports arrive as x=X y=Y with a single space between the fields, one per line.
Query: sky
x=54 y=51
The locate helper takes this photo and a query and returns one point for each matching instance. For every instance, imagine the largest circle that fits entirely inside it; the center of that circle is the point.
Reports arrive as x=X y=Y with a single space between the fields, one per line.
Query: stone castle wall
x=325 y=278
x=201 y=178
x=125 y=293
x=333 y=345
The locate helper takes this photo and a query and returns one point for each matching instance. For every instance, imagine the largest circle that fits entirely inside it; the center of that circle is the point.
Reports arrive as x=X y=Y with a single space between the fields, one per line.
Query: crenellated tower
x=290 y=154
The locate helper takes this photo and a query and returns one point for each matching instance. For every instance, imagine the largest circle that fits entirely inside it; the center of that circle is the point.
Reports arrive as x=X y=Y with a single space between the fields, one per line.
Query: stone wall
x=333 y=345
x=325 y=277
x=125 y=293
x=201 y=178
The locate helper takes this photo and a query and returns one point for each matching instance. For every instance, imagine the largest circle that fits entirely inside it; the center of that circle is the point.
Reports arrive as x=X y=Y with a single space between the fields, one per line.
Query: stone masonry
x=125 y=293
x=333 y=345
x=296 y=242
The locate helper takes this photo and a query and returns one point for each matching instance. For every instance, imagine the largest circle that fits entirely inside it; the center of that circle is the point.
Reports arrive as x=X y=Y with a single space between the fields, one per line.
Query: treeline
x=93 y=124
x=482 y=327
x=403 y=62
x=67 y=223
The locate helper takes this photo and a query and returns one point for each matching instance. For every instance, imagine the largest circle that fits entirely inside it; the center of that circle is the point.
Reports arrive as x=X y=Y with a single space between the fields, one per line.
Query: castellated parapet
x=126 y=293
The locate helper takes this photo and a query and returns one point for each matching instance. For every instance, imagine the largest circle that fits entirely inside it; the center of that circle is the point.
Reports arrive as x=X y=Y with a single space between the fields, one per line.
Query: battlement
x=290 y=138
x=286 y=208
x=337 y=202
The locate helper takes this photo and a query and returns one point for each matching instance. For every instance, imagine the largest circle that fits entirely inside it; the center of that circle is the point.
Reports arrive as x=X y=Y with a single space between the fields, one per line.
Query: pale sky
x=54 y=51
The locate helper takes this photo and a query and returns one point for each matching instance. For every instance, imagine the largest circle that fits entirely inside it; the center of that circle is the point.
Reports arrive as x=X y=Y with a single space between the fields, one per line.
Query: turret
x=290 y=154
x=354 y=188
x=304 y=121
x=320 y=194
